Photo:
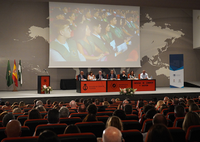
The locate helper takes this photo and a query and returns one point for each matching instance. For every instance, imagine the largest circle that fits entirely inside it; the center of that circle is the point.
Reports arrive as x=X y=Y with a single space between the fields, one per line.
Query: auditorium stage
x=67 y=95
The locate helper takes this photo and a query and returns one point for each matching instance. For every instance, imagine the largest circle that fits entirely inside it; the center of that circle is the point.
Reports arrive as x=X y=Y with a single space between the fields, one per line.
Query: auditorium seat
x=118 y=76
x=32 y=123
x=165 y=111
x=177 y=133
x=109 y=113
x=103 y=118
x=131 y=124
x=146 y=125
x=71 y=120
x=110 y=109
x=20 y=139
x=171 y=116
x=131 y=117
x=56 y=128
x=95 y=127
x=193 y=134
x=132 y=136
x=17 y=114
x=43 y=113
x=138 y=76
x=82 y=115
x=77 y=137
x=22 y=119
x=178 y=122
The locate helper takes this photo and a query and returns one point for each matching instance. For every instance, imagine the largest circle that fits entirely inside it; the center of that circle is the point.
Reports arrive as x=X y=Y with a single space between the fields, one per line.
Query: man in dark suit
x=100 y=76
x=81 y=76
x=112 y=75
x=123 y=76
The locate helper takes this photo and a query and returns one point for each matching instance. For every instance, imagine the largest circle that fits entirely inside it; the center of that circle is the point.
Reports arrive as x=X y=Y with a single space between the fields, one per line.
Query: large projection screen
x=93 y=35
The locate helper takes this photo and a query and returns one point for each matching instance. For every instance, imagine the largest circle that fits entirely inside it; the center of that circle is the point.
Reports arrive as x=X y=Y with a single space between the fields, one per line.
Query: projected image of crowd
x=94 y=34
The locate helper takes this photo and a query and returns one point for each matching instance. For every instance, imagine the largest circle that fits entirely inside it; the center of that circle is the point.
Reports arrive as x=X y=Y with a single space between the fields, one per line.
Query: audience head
x=82 y=108
x=7 y=103
x=159 y=103
x=179 y=111
x=193 y=107
x=117 y=99
x=128 y=109
x=13 y=129
x=2 y=115
x=105 y=103
x=34 y=114
x=7 y=118
x=90 y=117
x=159 y=133
x=64 y=112
x=97 y=102
x=159 y=119
x=113 y=100
x=120 y=113
x=92 y=109
x=166 y=99
x=35 y=101
x=41 y=108
x=190 y=101
x=191 y=118
x=72 y=129
x=147 y=107
x=150 y=113
x=17 y=110
x=72 y=104
x=140 y=104
x=115 y=122
x=53 y=116
x=39 y=102
x=48 y=102
x=22 y=104
x=112 y=134
x=81 y=100
x=48 y=136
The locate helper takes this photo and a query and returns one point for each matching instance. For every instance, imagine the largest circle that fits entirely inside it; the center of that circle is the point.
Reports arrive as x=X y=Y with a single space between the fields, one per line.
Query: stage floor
x=73 y=93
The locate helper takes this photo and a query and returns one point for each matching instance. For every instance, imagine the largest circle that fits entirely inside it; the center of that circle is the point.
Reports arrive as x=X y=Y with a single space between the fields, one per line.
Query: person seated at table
x=112 y=76
x=91 y=76
x=123 y=76
x=81 y=76
x=144 y=75
x=132 y=75
x=100 y=76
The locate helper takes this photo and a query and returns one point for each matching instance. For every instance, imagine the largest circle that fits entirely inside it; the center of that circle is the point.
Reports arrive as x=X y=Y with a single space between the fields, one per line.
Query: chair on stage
x=118 y=76
x=56 y=128
x=131 y=124
x=32 y=123
x=138 y=76
x=77 y=137
x=129 y=135
x=192 y=134
x=95 y=127
x=20 y=139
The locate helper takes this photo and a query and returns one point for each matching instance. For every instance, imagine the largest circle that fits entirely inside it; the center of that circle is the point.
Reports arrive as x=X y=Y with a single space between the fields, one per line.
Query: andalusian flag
x=20 y=72
x=8 y=75
x=14 y=74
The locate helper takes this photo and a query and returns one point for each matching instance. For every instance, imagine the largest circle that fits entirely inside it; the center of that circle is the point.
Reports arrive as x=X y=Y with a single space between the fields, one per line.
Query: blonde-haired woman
x=115 y=122
x=159 y=104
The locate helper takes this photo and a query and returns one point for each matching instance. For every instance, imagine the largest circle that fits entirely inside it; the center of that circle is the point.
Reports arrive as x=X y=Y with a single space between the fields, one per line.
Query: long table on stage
x=114 y=85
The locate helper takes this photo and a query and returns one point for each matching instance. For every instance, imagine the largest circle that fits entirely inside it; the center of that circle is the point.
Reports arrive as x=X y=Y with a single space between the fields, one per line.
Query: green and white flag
x=20 y=72
x=9 y=75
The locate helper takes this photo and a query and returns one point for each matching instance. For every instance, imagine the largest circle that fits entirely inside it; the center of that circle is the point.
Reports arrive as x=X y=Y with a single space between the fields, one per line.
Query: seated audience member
x=171 y=108
x=179 y=111
x=81 y=100
x=123 y=76
x=90 y=76
x=91 y=116
x=72 y=104
x=128 y=109
x=17 y=110
x=56 y=107
x=22 y=104
x=55 y=103
x=48 y=102
x=113 y=100
x=81 y=76
x=169 y=102
x=189 y=102
x=193 y=107
x=100 y=76
x=140 y=104
x=132 y=75
x=115 y=122
x=191 y=118
x=106 y=103
x=150 y=113
x=48 y=136
x=41 y=108
x=182 y=104
x=144 y=75
x=7 y=105
x=147 y=107
x=166 y=99
x=117 y=99
x=97 y=102
x=53 y=116
x=159 y=104
x=7 y=118
x=120 y=113
x=181 y=100
x=13 y=129
x=14 y=105
x=34 y=102
x=2 y=115
x=64 y=112
x=112 y=76
x=72 y=129
x=62 y=103
x=39 y=102
x=175 y=102
x=112 y=134
x=82 y=108
x=34 y=114
x=159 y=133
x=163 y=106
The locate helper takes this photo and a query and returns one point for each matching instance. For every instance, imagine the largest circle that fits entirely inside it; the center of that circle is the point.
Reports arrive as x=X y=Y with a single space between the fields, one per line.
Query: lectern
x=43 y=80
